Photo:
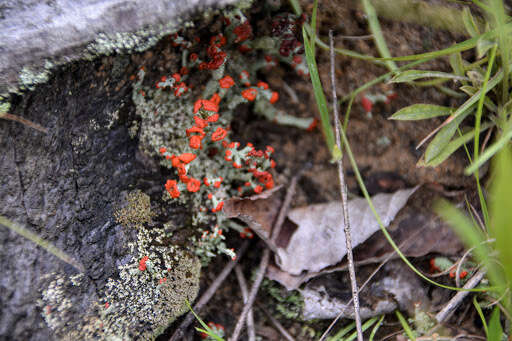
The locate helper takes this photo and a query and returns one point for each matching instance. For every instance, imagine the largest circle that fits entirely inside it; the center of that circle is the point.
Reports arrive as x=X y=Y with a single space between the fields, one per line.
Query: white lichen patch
x=149 y=294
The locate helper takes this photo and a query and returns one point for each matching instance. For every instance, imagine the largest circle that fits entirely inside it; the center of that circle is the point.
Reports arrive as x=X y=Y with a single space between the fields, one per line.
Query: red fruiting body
x=226 y=82
x=162 y=150
x=274 y=97
x=367 y=104
x=193 y=185
x=313 y=125
x=187 y=157
x=219 y=134
x=142 y=263
x=215 y=98
x=172 y=187
x=243 y=32
x=262 y=85
x=200 y=123
x=250 y=94
x=195 y=142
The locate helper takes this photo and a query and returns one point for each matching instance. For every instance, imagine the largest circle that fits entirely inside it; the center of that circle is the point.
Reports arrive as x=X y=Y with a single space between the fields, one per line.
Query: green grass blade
x=343 y=331
x=501 y=214
x=457 y=65
x=205 y=329
x=476 y=97
x=405 y=326
x=377 y=326
x=459 y=47
x=379 y=79
x=319 y=93
x=41 y=242
x=313 y=26
x=495 y=330
x=452 y=147
x=472 y=237
x=411 y=75
x=295 y=7
x=469 y=22
x=489 y=152
x=443 y=137
x=376 y=31
x=500 y=22
x=478 y=119
x=420 y=111
x=481 y=315
x=364 y=327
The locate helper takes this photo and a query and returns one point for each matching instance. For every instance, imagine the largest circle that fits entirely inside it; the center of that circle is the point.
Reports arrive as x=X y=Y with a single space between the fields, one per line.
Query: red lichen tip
x=226 y=82
x=187 y=157
x=142 y=263
x=250 y=94
x=274 y=98
x=219 y=134
x=193 y=185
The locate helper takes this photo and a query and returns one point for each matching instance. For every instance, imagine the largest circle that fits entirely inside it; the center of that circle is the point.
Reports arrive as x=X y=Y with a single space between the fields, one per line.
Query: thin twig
x=245 y=294
x=276 y=323
x=343 y=190
x=208 y=294
x=456 y=300
x=24 y=121
x=262 y=268
x=404 y=244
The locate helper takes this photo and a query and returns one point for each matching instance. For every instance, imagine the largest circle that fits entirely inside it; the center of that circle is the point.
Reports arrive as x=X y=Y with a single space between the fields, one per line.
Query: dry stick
x=459 y=296
x=265 y=258
x=374 y=272
x=24 y=121
x=208 y=294
x=343 y=190
x=245 y=294
x=276 y=324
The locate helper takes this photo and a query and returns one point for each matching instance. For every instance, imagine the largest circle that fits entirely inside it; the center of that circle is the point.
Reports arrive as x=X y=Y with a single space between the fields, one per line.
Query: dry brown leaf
x=319 y=240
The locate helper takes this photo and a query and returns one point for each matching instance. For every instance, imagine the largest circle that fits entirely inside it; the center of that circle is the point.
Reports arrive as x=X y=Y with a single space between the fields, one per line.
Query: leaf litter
x=311 y=247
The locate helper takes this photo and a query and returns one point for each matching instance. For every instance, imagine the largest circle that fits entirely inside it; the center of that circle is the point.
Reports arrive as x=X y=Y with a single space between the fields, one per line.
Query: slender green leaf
x=489 y=152
x=443 y=137
x=469 y=22
x=364 y=327
x=377 y=326
x=41 y=242
x=501 y=214
x=478 y=119
x=473 y=237
x=420 y=112
x=495 y=330
x=296 y=7
x=313 y=26
x=343 y=331
x=205 y=329
x=405 y=326
x=480 y=314
x=459 y=47
x=376 y=31
x=482 y=46
x=452 y=147
x=457 y=64
x=473 y=99
x=318 y=91
x=411 y=75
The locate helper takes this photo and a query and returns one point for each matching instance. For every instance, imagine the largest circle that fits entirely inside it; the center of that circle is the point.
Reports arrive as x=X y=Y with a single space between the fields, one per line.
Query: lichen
x=150 y=292
x=137 y=211
x=287 y=304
